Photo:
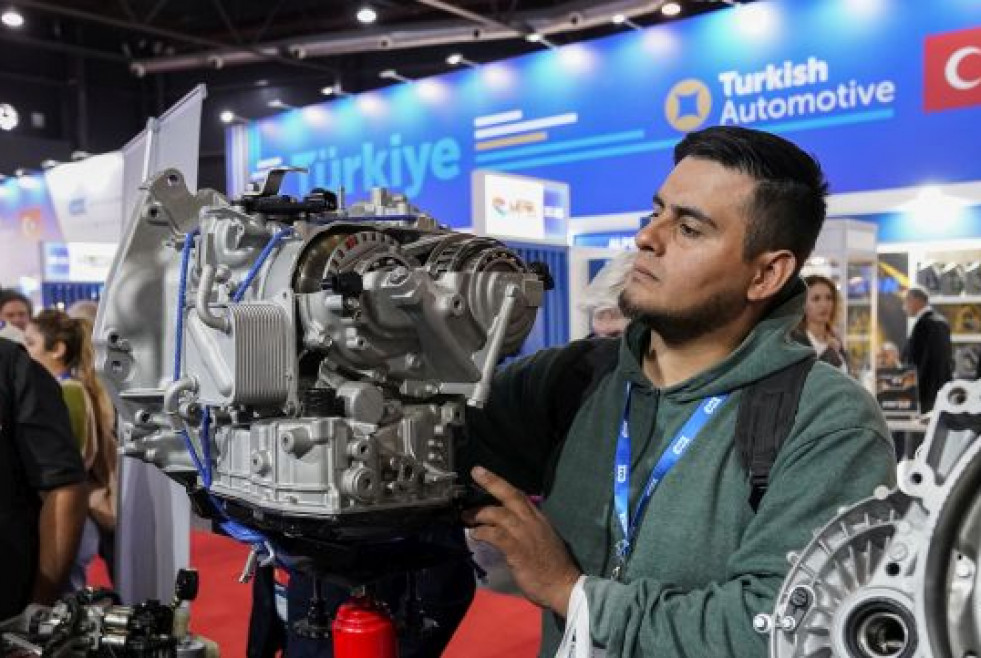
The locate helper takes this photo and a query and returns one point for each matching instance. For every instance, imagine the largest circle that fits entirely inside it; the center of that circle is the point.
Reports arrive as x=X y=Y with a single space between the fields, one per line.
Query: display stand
x=846 y=253
x=951 y=275
x=154 y=512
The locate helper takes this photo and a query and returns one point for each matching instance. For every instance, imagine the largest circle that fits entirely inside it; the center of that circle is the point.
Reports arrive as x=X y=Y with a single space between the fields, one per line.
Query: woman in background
x=63 y=346
x=817 y=328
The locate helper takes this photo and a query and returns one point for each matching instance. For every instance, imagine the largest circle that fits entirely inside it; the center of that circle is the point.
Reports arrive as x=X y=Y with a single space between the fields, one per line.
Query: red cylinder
x=363 y=629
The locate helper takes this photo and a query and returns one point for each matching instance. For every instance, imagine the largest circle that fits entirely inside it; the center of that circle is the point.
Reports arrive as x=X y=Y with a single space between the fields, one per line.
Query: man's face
x=15 y=312
x=690 y=276
x=912 y=305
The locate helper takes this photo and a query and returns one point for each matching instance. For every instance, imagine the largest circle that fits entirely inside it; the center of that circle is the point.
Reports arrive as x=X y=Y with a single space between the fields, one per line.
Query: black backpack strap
x=582 y=367
x=584 y=364
x=766 y=415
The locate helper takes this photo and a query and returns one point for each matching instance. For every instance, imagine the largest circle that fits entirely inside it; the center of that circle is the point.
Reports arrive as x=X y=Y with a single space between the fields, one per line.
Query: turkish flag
x=953 y=70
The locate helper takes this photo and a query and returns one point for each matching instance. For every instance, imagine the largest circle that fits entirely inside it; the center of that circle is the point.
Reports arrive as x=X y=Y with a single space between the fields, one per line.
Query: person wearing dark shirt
x=928 y=349
x=42 y=492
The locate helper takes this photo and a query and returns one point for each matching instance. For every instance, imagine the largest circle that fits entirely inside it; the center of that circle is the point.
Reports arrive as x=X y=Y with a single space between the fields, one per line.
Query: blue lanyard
x=621 y=473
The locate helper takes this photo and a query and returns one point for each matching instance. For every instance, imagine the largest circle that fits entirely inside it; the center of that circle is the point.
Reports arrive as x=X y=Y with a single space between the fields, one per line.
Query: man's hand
x=539 y=561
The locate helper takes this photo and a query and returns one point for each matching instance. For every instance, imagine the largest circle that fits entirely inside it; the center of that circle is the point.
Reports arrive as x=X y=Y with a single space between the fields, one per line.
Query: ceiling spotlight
x=671 y=9
x=21 y=172
x=367 y=15
x=227 y=116
x=456 y=59
x=536 y=37
x=392 y=74
x=334 y=90
x=80 y=155
x=621 y=19
x=277 y=104
x=12 y=18
x=49 y=164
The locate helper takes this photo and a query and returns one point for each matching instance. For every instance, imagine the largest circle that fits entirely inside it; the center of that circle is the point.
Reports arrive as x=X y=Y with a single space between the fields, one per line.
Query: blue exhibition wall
x=887 y=93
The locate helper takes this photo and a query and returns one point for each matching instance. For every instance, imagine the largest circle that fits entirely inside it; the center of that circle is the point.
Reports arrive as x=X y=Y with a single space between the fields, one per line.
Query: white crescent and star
x=953 y=75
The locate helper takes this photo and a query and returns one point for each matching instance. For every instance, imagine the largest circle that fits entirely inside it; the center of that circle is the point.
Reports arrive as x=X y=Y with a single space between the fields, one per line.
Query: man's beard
x=676 y=327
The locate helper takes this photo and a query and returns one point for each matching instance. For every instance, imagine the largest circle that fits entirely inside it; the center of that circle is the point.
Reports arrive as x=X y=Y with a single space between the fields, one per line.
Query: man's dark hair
x=9 y=295
x=788 y=207
x=920 y=293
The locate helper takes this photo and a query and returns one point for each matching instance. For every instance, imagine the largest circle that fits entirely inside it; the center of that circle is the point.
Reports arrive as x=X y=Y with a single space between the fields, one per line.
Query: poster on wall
x=514 y=207
x=519 y=207
x=604 y=115
x=87 y=197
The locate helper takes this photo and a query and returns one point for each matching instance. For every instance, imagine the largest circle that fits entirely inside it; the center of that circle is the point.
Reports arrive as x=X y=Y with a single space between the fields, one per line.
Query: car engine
x=301 y=366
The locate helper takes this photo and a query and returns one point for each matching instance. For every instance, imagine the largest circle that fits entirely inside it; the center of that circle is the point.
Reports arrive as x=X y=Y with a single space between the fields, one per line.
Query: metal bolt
x=788 y=624
x=898 y=552
x=799 y=597
x=763 y=623
x=398 y=275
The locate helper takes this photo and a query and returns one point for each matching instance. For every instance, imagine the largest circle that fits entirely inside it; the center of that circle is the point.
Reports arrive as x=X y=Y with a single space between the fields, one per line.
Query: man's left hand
x=539 y=561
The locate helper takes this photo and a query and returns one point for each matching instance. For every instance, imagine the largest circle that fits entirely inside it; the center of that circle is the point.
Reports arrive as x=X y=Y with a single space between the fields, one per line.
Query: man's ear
x=773 y=270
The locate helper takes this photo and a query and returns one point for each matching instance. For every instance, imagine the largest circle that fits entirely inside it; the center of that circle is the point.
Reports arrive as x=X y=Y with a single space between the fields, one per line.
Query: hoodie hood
x=766 y=349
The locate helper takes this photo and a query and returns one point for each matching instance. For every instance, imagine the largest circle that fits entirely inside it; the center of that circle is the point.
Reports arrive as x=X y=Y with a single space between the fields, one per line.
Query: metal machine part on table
x=896 y=576
x=315 y=369
x=91 y=623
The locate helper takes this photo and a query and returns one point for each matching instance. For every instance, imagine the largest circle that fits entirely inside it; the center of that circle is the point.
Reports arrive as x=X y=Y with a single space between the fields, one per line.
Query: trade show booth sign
x=885 y=93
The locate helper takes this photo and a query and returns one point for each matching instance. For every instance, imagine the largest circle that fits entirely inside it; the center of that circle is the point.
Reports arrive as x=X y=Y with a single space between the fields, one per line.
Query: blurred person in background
x=12 y=333
x=888 y=356
x=601 y=297
x=15 y=309
x=42 y=490
x=817 y=327
x=87 y=309
x=84 y=309
x=929 y=348
x=63 y=345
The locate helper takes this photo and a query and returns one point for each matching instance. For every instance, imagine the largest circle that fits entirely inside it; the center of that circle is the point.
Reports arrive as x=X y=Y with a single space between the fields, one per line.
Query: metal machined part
x=896 y=575
x=331 y=349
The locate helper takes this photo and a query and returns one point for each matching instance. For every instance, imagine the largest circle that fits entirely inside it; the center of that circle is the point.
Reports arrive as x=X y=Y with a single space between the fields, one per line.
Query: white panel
x=88 y=198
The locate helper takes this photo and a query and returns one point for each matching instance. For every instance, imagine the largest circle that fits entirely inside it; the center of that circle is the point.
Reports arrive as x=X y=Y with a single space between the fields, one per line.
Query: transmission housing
x=300 y=364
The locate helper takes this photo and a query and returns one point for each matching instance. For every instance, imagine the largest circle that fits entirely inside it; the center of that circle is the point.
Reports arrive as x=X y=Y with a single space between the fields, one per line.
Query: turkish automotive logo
x=688 y=105
x=952 y=68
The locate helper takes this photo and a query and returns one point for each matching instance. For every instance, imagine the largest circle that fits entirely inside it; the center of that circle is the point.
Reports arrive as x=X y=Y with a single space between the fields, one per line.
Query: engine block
x=300 y=358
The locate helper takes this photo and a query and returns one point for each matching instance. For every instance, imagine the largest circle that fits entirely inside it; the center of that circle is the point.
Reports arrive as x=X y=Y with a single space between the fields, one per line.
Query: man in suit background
x=928 y=348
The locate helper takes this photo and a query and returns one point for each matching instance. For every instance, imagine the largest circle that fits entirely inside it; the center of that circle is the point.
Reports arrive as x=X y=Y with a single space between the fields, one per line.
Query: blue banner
x=887 y=93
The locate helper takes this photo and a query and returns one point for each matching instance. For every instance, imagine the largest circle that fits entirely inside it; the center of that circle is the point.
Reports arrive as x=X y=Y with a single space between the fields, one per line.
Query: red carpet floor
x=496 y=626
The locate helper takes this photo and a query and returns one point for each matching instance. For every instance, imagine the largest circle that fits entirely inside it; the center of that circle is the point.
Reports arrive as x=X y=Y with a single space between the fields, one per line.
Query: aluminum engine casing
x=335 y=380
x=897 y=575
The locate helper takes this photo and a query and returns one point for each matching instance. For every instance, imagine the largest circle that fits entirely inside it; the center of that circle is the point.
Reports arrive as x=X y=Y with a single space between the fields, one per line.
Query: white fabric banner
x=153 y=532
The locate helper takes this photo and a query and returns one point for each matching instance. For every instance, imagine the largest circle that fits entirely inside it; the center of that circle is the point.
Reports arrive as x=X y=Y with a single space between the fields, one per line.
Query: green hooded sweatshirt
x=703 y=562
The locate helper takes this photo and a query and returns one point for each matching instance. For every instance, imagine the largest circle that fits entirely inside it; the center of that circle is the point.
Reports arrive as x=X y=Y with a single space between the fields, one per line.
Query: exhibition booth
x=557 y=154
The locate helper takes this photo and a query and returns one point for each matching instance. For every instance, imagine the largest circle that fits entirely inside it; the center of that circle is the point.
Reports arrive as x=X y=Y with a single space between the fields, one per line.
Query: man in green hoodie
x=646 y=514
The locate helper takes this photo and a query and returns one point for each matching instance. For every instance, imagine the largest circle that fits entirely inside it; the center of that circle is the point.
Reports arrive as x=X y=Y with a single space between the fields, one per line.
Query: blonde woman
x=64 y=347
x=817 y=328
